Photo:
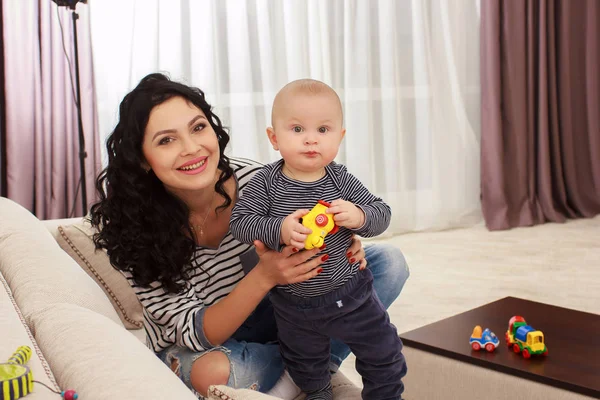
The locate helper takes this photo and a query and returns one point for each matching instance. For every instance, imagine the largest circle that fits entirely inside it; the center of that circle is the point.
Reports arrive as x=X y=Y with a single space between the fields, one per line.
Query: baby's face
x=308 y=130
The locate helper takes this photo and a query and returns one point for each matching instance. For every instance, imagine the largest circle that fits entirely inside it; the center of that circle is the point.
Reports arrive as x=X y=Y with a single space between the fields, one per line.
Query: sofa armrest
x=99 y=359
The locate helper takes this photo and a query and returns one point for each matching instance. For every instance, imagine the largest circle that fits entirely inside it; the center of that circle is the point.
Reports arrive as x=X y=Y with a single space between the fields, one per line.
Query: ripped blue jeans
x=253 y=351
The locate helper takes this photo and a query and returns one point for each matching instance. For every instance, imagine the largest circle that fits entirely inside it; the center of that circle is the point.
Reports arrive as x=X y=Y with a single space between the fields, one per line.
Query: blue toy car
x=486 y=339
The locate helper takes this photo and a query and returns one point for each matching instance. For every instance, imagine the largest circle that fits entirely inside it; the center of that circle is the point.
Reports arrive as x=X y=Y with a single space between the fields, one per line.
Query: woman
x=163 y=217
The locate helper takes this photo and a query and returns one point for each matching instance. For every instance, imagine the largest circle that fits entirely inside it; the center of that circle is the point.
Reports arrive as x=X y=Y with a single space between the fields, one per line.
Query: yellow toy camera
x=321 y=224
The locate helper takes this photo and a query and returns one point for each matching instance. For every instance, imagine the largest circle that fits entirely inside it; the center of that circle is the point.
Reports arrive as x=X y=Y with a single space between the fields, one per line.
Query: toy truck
x=321 y=224
x=483 y=339
x=524 y=338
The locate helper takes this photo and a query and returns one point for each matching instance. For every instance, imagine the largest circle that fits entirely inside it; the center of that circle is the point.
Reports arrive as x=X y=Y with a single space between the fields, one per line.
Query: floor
x=456 y=270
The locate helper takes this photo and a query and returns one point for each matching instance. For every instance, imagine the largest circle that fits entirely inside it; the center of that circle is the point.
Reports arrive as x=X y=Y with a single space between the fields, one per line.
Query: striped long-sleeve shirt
x=179 y=318
x=270 y=196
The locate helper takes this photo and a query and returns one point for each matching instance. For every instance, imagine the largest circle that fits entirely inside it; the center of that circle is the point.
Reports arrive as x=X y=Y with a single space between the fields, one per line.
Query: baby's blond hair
x=305 y=86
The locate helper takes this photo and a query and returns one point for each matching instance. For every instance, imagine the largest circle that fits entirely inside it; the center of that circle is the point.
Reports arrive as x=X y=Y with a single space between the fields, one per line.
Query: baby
x=307 y=129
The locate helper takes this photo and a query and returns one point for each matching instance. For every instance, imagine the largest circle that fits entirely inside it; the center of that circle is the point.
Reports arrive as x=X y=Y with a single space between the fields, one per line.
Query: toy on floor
x=16 y=378
x=486 y=339
x=524 y=338
x=321 y=224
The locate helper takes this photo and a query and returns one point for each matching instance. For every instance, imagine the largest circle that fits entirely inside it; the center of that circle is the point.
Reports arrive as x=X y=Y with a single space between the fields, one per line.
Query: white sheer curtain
x=407 y=72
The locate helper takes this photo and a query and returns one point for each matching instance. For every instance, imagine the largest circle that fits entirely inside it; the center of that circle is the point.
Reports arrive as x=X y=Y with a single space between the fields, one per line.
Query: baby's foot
x=323 y=394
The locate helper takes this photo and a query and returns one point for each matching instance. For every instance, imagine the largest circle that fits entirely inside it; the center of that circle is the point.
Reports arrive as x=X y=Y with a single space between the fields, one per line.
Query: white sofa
x=81 y=319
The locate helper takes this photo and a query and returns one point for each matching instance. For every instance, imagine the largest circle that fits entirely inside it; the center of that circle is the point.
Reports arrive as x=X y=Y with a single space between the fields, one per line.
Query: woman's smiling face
x=180 y=146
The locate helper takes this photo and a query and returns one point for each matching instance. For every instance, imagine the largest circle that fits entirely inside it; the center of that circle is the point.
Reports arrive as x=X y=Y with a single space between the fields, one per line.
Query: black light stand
x=82 y=153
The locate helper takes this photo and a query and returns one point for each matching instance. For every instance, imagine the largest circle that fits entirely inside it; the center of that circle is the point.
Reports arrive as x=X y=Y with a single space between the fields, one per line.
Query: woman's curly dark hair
x=141 y=225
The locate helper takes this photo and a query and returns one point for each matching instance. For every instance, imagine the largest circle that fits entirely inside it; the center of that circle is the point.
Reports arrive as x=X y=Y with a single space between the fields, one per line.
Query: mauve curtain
x=540 y=136
x=42 y=145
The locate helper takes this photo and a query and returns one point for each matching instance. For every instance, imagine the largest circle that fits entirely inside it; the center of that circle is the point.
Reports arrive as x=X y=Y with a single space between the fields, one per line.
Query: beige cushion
x=221 y=392
x=39 y=273
x=343 y=389
x=139 y=334
x=15 y=333
x=100 y=359
x=53 y=224
x=76 y=240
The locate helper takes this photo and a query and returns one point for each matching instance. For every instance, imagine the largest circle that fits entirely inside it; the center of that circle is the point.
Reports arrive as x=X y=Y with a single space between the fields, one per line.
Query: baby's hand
x=292 y=231
x=346 y=214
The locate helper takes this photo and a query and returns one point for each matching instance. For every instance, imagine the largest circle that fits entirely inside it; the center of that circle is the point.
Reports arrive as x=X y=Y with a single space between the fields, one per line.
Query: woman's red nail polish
x=319 y=270
x=295 y=250
x=352 y=260
x=322 y=247
x=325 y=257
x=348 y=254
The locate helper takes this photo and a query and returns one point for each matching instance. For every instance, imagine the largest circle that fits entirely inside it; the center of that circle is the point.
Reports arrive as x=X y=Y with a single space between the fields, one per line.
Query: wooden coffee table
x=572 y=338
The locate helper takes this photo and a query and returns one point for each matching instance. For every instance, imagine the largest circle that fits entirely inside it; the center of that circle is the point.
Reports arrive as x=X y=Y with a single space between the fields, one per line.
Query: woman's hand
x=224 y=317
x=356 y=252
x=289 y=266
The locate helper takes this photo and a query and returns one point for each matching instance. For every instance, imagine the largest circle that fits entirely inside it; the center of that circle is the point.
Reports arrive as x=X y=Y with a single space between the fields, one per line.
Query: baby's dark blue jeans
x=352 y=314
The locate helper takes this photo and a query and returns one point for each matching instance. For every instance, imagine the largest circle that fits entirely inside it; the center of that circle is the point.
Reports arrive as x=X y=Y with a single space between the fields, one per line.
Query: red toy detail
x=516 y=348
x=70 y=395
x=335 y=228
x=321 y=220
x=511 y=322
x=323 y=202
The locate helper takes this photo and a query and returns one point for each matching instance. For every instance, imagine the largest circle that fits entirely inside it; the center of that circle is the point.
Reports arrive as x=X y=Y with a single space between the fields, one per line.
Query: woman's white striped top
x=178 y=318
